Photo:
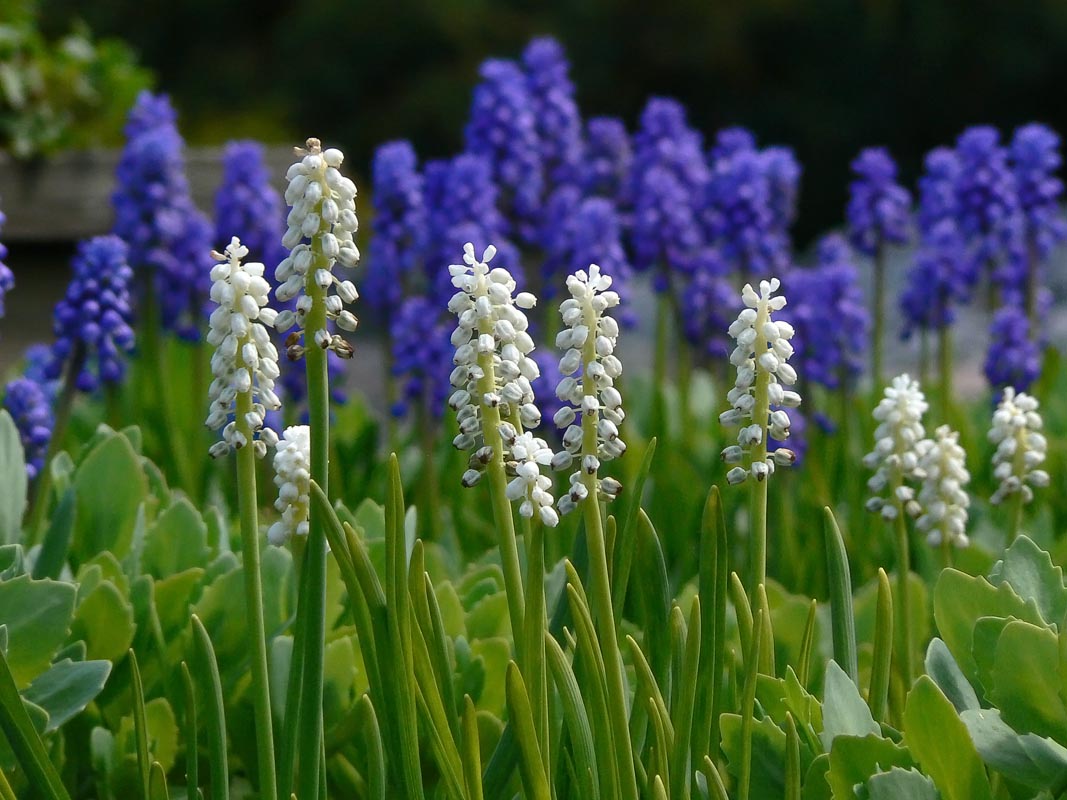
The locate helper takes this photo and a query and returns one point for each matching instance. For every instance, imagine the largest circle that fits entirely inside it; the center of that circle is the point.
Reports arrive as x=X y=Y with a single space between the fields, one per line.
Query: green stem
x=659 y=365
x=432 y=496
x=878 y=330
x=924 y=357
x=536 y=624
x=944 y=361
x=504 y=521
x=760 y=413
x=600 y=595
x=64 y=406
x=247 y=499
x=1017 y=503
x=904 y=604
x=946 y=548
x=309 y=742
x=1031 y=283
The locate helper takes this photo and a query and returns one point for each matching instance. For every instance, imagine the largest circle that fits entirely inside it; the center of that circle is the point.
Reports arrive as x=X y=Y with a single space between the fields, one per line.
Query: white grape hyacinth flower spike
x=292 y=476
x=895 y=457
x=764 y=379
x=320 y=232
x=593 y=413
x=1021 y=447
x=943 y=496
x=245 y=360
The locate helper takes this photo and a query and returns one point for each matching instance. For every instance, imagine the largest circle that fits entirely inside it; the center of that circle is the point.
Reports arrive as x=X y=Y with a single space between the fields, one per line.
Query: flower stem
x=504 y=522
x=247 y=499
x=760 y=412
x=878 y=328
x=1017 y=501
x=659 y=365
x=945 y=368
x=904 y=601
x=536 y=623
x=310 y=718
x=600 y=596
x=432 y=492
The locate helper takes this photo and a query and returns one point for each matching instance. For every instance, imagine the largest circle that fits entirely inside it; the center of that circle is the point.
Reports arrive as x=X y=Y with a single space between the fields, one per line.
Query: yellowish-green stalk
x=760 y=413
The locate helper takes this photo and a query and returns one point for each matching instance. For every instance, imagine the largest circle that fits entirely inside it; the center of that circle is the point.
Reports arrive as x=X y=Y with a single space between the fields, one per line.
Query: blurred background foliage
x=824 y=76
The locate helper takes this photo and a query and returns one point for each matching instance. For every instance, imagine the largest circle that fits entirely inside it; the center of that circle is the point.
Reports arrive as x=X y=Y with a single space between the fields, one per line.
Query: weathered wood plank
x=68 y=196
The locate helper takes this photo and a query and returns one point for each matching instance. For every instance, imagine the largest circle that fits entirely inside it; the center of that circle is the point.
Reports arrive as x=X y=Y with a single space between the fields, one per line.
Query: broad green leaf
x=844 y=712
x=854 y=759
x=1026 y=681
x=67 y=688
x=12 y=480
x=452 y=613
x=494 y=655
x=768 y=754
x=104 y=619
x=1030 y=572
x=945 y=672
x=816 y=785
x=174 y=598
x=938 y=740
x=56 y=544
x=901 y=784
x=176 y=542
x=110 y=486
x=959 y=600
x=986 y=634
x=37 y=615
x=162 y=730
x=1028 y=759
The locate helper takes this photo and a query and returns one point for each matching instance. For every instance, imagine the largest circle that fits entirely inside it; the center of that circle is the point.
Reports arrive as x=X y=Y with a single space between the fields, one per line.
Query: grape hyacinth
x=245 y=363
x=579 y=232
x=399 y=225
x=830 y=317
x=1035 y=159
x=493 y=368
x=1021 y=448
x=30 y=406
x=937 y=188
x=461 y=200
x=558 y=122
x=783 y=173
x=937 y=283
x=667 y=183
x=943 y=499
x=534 y=489
x=895 y=457
x=92 y=323
x=607 y=160
x=589 y=369
x=420 y=347
x=705 y=303
x=1014 y=358
x=737 y=211
x=168 y=238
x=247 y=205
x=503 y=129
x=292 y=476
x=987 y=205
x=323 y=210
x=763 y=373
x=879 y=208
x=7 y=277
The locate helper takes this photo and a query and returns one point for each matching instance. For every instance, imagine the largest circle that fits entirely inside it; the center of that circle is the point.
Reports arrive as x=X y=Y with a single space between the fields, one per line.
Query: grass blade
x=157 y=783
x=207 y=675
x=842 y=620
x=882 y=660
x=24 y=740
x=140 y=727
x=472 y=756
x=192 y=765
x=531 y=766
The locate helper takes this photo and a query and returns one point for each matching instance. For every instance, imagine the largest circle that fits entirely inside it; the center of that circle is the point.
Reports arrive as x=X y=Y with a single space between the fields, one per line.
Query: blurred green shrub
x=68 y=92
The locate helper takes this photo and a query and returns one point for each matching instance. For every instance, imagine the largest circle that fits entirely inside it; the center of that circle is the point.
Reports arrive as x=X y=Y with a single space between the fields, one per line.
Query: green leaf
x=844 y=713
x=56 y=544
x=854 y=759
x=1030 y=572
x=1026 y=681
x=110 y=486
x=946 y=673
x=938 y=740
x=104 y=619
x=22 y=736
x=768 y=754
x=12 y=480
x=176 y=542
x=37 y=615
x=842 y=619
x=1028 y=759
x=901 y=784
x=959 y=600
x=67 y=688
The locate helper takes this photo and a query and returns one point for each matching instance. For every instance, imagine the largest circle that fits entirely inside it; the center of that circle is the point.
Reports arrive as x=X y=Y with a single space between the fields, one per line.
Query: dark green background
x=825 y=76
